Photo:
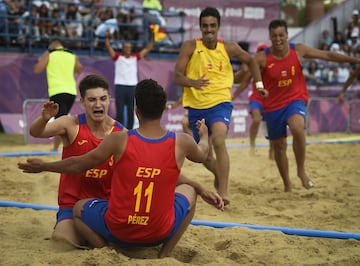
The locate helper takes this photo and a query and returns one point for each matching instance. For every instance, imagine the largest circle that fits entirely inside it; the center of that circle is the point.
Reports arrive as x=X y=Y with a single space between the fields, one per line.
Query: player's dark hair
x=210 y=12
x=150 y=99
x=93 y=82
x=278 y=23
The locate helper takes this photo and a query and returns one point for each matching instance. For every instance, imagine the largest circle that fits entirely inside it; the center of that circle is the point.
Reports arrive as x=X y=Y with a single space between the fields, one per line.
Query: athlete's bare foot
x=287 y=188
x=62 y=240
x=306 y=182
x=226 y=201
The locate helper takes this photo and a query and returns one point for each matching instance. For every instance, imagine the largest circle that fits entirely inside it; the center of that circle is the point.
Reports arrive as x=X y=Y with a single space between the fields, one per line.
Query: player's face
x=279 y=38
x=96 y=103
x=209 y=28
x=127 y=48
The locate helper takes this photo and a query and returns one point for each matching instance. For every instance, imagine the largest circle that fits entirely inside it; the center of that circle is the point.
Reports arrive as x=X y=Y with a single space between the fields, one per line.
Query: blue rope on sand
x=28 y=153
x=285 y=230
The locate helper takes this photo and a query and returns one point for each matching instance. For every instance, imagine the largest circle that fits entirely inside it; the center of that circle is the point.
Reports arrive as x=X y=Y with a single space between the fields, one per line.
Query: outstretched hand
x=49 y=110
x=32 y=165
x=213 y=198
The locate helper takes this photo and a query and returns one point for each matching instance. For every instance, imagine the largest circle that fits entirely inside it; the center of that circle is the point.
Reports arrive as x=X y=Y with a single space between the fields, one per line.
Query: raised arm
x=242 y=77
x=41 y=63
x=40 y=128
x=78 y=66
x=107 y=44
x=235 y=51
x=148 y=47
x=79 y=164
x=309 y=52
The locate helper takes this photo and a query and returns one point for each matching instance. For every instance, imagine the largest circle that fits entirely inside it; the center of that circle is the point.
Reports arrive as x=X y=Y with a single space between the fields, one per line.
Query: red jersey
x=284 y=80
x=95 y=182
x=141 y=204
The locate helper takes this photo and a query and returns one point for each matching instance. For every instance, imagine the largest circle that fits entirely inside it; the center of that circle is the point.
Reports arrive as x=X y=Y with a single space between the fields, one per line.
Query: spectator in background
x=340 y=40
x=109 y=26
x=31 y=26
x=324 y=46
x=44 y=21
x=338 y=73
x=354 y=75
x=152 y=12
x=312 y=72
x=337 y=48
x=325 y=39
x=126 y=77
x=353 y=43
x=354 y=24
x=3 y=12
x=15 y=9
x=85 y=11
x=73 y=23
x=57 y=24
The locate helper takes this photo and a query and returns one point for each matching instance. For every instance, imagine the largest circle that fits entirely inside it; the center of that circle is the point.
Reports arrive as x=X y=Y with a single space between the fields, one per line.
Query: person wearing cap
x=353 y=42
x=354 y=24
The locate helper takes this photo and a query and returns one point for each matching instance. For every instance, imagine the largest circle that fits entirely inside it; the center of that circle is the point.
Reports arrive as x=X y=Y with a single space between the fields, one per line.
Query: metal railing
x=17 y=31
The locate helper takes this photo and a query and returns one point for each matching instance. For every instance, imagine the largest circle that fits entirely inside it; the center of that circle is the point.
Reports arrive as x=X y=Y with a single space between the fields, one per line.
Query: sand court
x=257 y=199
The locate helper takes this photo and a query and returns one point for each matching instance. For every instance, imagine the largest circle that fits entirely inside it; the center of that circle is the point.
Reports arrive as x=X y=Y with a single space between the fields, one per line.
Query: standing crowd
x=122 y=186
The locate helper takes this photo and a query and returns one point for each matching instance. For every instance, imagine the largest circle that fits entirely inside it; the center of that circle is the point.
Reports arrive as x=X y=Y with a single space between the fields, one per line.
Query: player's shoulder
x=188 y=46
x=190 y=43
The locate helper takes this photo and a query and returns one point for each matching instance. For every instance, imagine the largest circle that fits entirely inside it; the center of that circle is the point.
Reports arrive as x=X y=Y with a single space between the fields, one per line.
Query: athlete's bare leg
x=254 y=128
x=222 y=162
x=211 y=165
x=94 y=240
x=65 y=231
x=297 y=125
x=281 y=160
x=190 y=193
x=271 y=151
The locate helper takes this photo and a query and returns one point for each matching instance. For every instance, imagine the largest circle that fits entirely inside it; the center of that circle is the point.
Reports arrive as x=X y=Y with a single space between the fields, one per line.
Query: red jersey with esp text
x=284 y=80
x=95 y=182
x=141 y=205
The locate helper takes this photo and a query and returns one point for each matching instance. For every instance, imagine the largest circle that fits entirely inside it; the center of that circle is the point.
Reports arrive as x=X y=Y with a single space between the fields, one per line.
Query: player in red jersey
x=150 y=203
x=80 y=134
x=256 y=110
x=286 y=104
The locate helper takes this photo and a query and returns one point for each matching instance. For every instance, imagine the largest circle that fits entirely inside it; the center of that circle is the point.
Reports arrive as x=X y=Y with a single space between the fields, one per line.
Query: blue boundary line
x=285 y=230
